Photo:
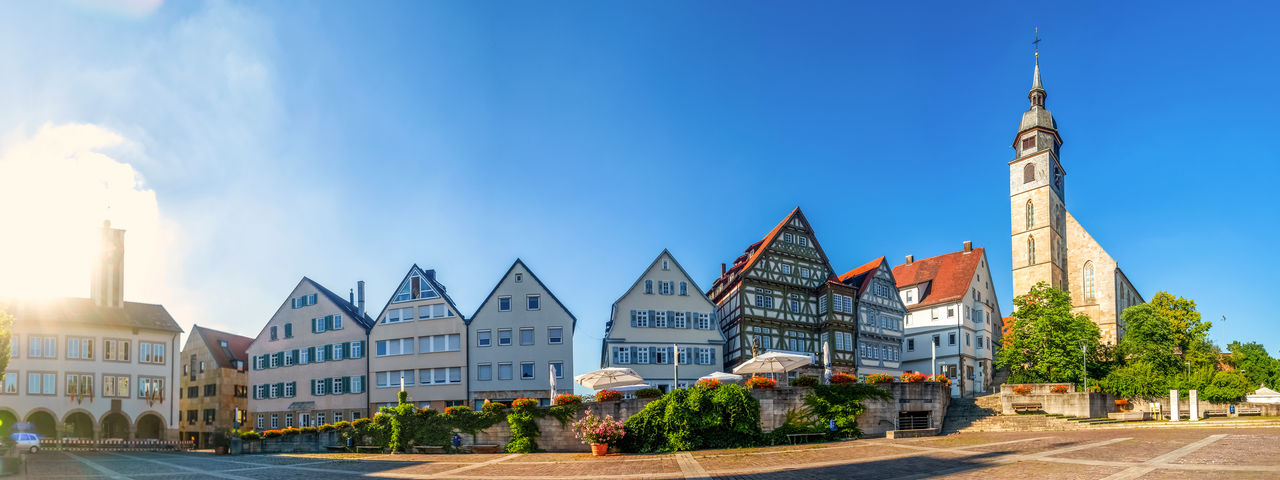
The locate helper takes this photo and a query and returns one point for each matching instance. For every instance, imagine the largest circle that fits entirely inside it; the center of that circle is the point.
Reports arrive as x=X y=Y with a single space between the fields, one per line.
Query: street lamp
x=1188 y=369
x=1084 y=362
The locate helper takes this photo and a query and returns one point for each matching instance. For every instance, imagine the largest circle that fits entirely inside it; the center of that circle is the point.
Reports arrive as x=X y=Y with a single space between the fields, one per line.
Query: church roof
x=64 y=311
x=224 y=356
x=948 y=276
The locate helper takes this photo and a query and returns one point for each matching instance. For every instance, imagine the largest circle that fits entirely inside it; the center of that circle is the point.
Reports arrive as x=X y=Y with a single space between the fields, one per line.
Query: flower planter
x=599 y=449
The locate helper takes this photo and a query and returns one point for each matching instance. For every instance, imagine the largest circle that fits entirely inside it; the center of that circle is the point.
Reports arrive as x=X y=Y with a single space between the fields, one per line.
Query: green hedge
x=723 y=417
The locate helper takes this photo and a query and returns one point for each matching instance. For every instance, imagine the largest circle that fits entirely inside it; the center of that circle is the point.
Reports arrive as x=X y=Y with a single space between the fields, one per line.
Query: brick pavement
x=1087 y=454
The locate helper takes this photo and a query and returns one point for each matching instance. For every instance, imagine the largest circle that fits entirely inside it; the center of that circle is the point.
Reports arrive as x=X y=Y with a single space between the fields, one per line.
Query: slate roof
x=223 y=356
x=66 y=311
x=346 y=306
x=947 y=276
x=859 y=278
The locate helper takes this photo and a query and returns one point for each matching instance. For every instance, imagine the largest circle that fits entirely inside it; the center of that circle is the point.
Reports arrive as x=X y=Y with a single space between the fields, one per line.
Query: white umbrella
x=608 y=378
x=723 y=377
x=826 y=364
x=632 y=388
x=773 y=362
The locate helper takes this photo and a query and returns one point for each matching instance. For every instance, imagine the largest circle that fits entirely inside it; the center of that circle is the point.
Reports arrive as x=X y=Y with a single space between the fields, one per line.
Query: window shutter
x=346 y=384
x=615 y=349
x=346 y=350
x=362 y=384
x=653 y=355
x=313 y=387
x=671 y=319
x=689 y=318
x=364 y=349
x=653 y=318
x=311 y=353
x=634 y=359
x=328 y=322
x=689 y=355
x=633 y=319
x=293 y=386
x=295 y=356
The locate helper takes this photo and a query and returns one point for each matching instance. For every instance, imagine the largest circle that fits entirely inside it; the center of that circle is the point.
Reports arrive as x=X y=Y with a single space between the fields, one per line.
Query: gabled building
x=308 y=365
x=214 y=383
x=662 y=327
x=97 y=367
x=782 y=295
x=880 y=318
x=520 y=335
x=419 y=340
x=951 y=304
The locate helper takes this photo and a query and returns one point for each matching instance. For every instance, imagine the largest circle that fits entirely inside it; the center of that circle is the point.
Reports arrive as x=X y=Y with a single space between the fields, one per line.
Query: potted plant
x=608 y=396
x=878 y=378
x=567 y=399
x=806 y=381
x=708 y=383
x=1058 y=389
x=648 y=393
x=1022 y=389
x=940 y=378
x=761 y=383
x=913 y=377
x=842 y=379
x=598 y=432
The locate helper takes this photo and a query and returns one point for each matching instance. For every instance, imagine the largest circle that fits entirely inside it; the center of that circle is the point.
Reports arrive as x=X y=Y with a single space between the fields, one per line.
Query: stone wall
x=1144 y=405
x=1071 y=403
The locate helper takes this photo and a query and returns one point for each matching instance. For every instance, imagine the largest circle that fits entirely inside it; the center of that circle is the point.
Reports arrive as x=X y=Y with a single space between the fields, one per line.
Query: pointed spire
x=1037 y=94
x=1035 y=82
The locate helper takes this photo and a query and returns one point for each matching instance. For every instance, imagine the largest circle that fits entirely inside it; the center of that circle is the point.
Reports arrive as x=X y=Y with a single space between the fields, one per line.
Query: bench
x=803 y=436
x=368 y=447
x=1248 y=411
x=486 y=448
x=1215 y=413
x=336 y=448
x=428 y=449
x=1028 y=407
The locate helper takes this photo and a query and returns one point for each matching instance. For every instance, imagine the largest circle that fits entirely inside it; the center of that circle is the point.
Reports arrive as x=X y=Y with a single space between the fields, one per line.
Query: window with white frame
x=526 y=371
x=398 y=346
x=440 y=343
x=623 y=354
x=78 y=348
x=555 y=335
x=526 y=336
x=533 y=302
x=558 y=367
x=642 y=318
x=786 y=269
x=484 y=371
x=680 y=320
x=660 y=319
x=504 y=304
x=504 y=371
x=504 y=337
x=642 y=355
x=704 y=321
x=392 y=378
x=665 y=287
x=440 y=376
x=275 y=420
x=705 y=355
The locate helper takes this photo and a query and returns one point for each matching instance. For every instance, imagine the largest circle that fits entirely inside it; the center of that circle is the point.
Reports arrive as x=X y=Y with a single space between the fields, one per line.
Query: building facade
x=662 y=328
x=419 y=339
x=520 y=335
x=309 y=364
x=782 y=295
x=97 y=367
x=1049 y=245
x=881 y=316
x=214 y=383
x=953 y=316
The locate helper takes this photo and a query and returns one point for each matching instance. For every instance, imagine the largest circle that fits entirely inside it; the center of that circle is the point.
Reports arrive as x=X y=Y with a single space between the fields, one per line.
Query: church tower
x=1037 y=205
x=106 y=285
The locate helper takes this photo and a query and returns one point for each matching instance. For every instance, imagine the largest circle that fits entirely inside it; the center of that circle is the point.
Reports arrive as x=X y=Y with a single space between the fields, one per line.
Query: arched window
x=1089 y=286
x=1029 y=173
x=1031 y=214
x=1031 y=251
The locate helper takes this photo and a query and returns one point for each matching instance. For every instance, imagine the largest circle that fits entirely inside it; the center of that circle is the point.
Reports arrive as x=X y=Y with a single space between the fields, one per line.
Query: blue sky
x=244 y=145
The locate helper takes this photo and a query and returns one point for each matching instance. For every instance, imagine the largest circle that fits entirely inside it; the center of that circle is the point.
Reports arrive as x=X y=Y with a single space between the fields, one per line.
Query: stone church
x=1049 y=245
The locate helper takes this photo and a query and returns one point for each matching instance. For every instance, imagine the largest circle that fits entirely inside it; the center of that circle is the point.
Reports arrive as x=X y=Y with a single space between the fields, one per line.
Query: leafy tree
x=6 y=340
x=1190 y=332
x=1136 y=380
x=1043 y=344
x=1253 y=360
x=1199 y=379
x=1227 y=386
x=1149 y=338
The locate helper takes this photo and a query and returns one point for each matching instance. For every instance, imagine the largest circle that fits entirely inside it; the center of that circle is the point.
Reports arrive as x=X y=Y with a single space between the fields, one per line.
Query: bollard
x=1173 y=405
x=1194 y=406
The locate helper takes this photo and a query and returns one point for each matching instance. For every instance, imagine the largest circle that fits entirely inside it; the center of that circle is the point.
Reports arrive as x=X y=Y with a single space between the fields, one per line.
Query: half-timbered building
x=880 y=317
x=782 y=295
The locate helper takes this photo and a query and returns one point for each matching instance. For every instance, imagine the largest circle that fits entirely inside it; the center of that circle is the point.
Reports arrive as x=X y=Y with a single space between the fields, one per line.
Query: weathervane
x=1036 y=42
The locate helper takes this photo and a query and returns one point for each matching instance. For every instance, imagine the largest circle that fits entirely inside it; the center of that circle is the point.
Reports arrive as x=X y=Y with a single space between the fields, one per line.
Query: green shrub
x=1138 y=380
x=724 y=417
x=806 y=381
x=648 y=393
x=1227 y=386
x=308 y=429
x=842 y=403
x=325 y=428
x=524 y=429
x=343 y=425
x=250 y=435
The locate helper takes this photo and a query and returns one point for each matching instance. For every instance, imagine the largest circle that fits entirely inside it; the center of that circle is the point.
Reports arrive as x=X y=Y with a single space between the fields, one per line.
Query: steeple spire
x=1037 y=94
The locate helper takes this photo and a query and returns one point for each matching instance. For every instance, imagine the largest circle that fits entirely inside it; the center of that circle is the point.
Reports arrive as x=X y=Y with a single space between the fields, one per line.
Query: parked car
x=27 y=441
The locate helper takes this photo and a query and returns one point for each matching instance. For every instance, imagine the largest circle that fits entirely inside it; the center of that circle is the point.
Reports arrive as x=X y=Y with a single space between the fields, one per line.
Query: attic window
x=519 y=277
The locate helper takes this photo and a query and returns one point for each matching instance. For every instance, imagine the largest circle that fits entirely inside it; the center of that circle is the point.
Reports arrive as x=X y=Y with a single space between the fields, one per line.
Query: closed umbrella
x=773 y=362
x=608 y=378
x=826 y=363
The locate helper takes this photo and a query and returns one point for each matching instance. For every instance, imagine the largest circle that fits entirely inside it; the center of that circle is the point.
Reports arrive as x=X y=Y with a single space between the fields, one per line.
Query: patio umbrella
x=722 y=376
x=608 y=378
x=773 y=362
x=632 y=388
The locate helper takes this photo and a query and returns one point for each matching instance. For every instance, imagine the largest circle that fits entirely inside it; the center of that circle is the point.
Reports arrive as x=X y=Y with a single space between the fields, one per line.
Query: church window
x=1088 y=280
x=1031 y=214
x=1031 y=251
x=1029 y=143
x=1029 y=173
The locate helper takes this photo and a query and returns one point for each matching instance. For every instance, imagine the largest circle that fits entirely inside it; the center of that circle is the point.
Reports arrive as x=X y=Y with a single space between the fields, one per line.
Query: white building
x=664 y=309
x=418 y=338
x=952 y=305
x=518 y=336
x=880 y=318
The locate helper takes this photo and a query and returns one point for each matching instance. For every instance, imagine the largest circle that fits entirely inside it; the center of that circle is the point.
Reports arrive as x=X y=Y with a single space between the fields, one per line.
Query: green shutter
x=313 y=387
x=328 y=322
x=346 y=385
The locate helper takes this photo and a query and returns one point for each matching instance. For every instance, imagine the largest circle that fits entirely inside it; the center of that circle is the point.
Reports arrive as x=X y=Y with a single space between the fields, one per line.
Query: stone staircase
x=982 y=414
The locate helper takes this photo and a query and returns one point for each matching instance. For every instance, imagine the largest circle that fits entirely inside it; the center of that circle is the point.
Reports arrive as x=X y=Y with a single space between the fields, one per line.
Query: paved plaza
x=1184 y=453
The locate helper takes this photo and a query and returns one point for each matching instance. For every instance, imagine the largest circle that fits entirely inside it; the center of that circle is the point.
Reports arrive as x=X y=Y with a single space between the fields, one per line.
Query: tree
x=1190 y=332
x=1149 y=338
x=1136 y=380
x=1227 y=386
x=6 y=340
x=1043 y=344
x=1254 y=362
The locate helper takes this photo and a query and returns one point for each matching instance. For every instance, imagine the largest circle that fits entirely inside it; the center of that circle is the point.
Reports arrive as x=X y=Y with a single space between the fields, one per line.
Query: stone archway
x=150 y=426
x=43 y=423
x=115 y=425
x=79 y=425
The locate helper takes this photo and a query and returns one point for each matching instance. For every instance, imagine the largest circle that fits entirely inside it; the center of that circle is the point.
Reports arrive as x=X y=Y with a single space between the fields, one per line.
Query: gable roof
x=223 y=356
x=859 y=278
x=85 y=311
x=614 y=310
x=430 y=275
x=351 y=310
x=948 y=276
x=753 y=252
x=536 y=279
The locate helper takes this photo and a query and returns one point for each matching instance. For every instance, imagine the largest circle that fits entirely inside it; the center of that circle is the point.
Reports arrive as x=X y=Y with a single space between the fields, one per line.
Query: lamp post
x=1188 y=369
x=1084 y=363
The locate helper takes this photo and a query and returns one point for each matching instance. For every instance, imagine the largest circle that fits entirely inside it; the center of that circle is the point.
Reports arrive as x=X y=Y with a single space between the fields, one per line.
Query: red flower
x=761 y=383
x=608 y=395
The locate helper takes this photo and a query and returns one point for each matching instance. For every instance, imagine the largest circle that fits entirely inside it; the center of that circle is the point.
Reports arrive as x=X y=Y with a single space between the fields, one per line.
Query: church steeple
x=1037 y=94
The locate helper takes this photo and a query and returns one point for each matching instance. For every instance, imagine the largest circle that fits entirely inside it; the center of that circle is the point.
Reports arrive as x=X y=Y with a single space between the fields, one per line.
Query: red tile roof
x=744 y=262
x=235 y=349
x=858 y=278
x=948 y=276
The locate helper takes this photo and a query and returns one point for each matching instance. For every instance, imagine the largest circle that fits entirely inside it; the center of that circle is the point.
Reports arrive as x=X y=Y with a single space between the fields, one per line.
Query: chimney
x=910 y=258
x=106 y=285
x=722 y=269
x=360 y=297
x=968 y=246
x=351 y=296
